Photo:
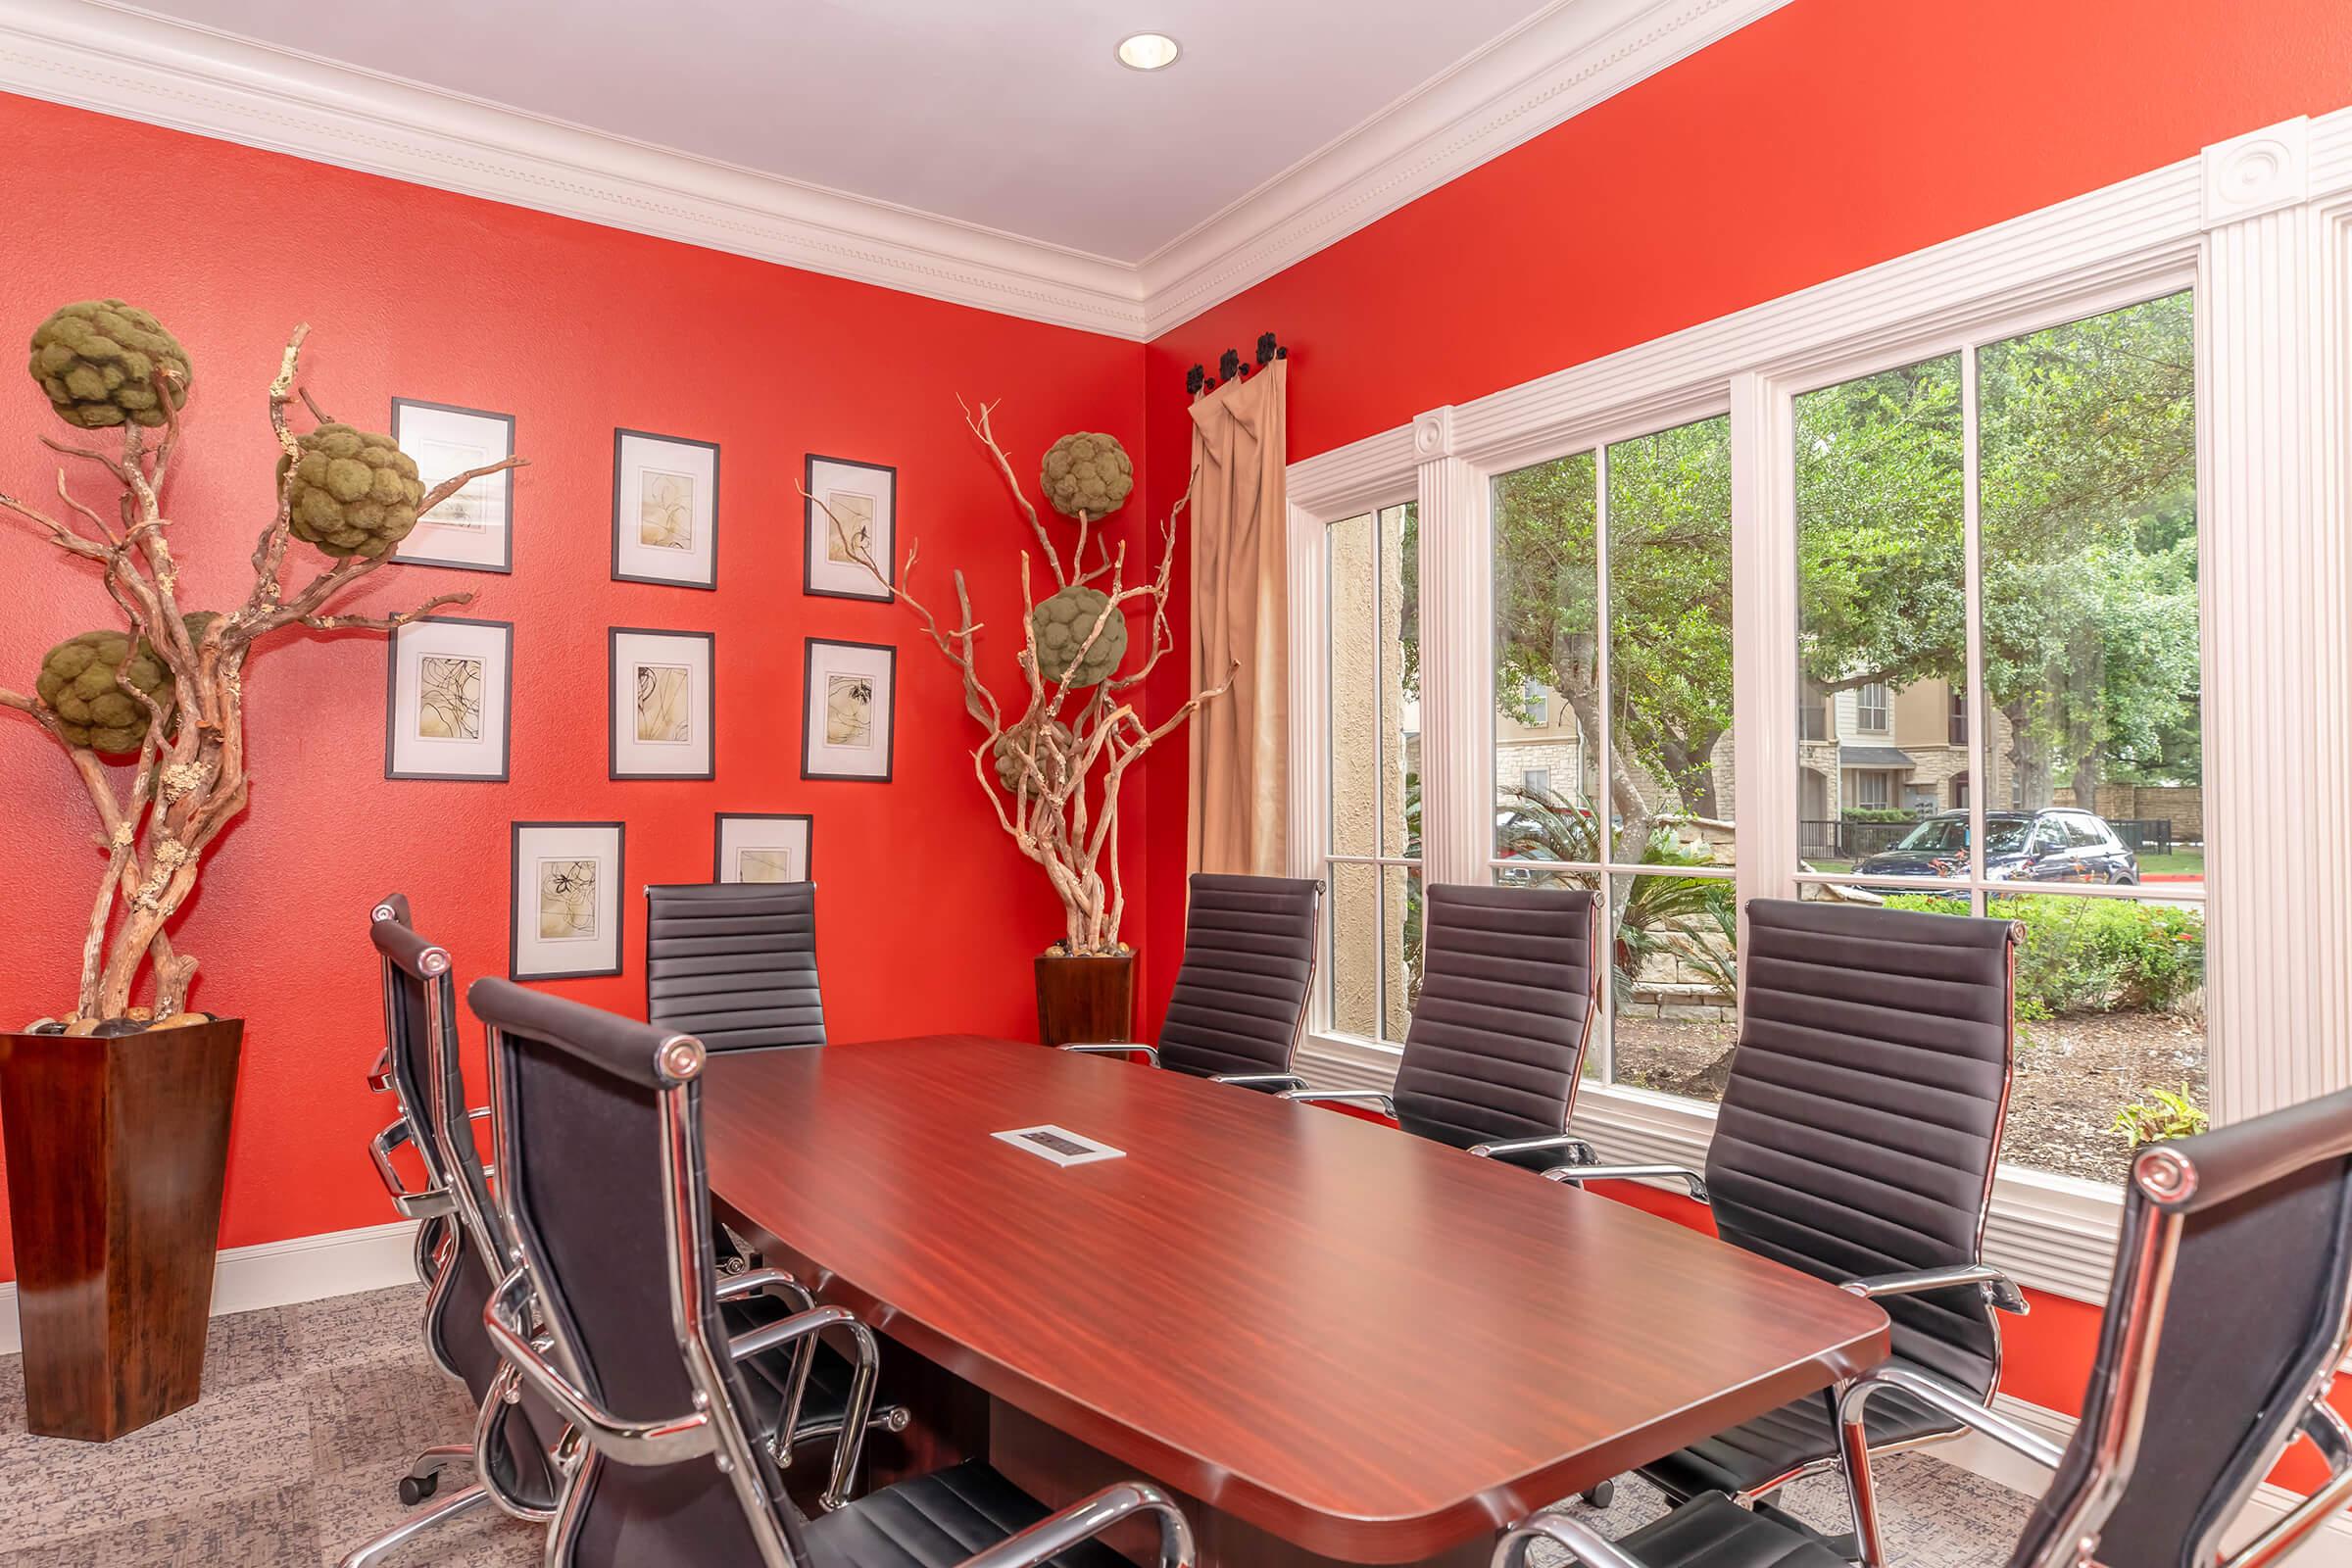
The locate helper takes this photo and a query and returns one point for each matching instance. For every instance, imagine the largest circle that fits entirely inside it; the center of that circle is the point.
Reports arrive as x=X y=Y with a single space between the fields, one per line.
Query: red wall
x=928 y=916
x=1830 y=136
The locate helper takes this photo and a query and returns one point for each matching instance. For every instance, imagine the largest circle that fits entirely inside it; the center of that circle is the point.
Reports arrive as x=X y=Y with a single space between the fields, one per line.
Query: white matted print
x=665 y=510
x=850 y=697
x=566 y=900
x=759 y=846
x=473 y=529
x=662 y=709
x=447 y=694
x=853 y=513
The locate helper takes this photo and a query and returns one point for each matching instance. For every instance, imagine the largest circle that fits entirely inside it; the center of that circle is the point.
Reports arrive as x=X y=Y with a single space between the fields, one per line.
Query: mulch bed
x=2072 y=1075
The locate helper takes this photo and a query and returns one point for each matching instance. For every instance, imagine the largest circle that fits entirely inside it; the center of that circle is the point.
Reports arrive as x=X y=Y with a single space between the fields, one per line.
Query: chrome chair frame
x=714 y=1426
x=1247 y=1080
x=1999 y=1290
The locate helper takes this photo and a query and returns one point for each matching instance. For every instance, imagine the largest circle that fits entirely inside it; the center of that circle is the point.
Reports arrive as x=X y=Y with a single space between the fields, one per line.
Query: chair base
x=400 y=1535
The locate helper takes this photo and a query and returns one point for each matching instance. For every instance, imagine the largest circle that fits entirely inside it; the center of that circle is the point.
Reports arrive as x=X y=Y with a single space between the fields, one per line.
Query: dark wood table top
x=1369 y=1344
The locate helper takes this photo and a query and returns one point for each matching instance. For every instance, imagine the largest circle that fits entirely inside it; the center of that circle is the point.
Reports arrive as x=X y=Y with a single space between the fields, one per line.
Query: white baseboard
x=2330 y=1547
x=307 y=1268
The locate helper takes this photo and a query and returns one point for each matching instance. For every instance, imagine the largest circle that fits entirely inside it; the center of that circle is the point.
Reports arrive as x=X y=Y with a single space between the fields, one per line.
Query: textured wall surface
x=927 y=914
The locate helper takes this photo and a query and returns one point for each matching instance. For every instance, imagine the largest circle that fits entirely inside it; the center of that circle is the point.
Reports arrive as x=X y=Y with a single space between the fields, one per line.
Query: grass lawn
x=2181 y=862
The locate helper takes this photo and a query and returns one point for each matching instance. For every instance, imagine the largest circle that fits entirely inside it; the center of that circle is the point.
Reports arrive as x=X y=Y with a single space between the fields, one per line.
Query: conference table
x=1335 y=1342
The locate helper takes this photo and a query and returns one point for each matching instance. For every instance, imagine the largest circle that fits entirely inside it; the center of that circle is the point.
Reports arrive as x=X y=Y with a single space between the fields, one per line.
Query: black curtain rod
x=1199 y=382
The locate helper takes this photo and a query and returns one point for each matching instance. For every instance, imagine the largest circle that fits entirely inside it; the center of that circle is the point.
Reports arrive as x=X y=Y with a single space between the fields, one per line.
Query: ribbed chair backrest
x=582 y=1104
x=421 y=1009
x=2253 y=1225
x=1249 y=963
x=1507 y=999
x=408 y=1047
x=734 y=963
x=1862 y=1123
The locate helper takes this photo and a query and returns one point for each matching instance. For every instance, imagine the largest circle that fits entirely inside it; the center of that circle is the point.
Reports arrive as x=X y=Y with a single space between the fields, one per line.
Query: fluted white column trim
x=1458 y=753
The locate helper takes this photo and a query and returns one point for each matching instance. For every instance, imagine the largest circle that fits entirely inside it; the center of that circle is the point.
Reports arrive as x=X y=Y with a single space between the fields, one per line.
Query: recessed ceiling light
x=1149 y=51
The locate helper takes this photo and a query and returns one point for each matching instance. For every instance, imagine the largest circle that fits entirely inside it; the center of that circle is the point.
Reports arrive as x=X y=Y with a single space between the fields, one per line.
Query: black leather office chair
x=428 y=1203
x=2226 y=1320
x=734 y=963
x=516 y=1442
x=1241 y=995
x=600 y=1143
x=1509 y=989
x=1857 y=1141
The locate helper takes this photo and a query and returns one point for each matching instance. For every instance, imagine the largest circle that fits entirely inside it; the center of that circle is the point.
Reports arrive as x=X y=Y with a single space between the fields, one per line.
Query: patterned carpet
x=311 y=1413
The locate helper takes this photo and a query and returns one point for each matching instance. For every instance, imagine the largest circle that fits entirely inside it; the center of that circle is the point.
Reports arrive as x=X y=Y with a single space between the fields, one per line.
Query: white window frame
x=2261 y=225
x=1864 y=707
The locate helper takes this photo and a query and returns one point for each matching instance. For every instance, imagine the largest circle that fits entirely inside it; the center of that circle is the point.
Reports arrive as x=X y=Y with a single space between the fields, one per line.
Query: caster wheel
x=1602 y=1496
x=415 y=1490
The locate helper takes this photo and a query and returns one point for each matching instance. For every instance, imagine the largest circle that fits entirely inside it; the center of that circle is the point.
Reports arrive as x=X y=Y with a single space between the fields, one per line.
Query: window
x=1535 y=781
x=2019 y=518
x=1872 y=711
x=1612 y=590
x=1372 y=858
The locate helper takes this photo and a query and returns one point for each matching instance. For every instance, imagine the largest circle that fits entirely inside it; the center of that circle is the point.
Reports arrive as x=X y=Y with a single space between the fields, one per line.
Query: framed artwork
x=567 y=900
x=759 y=846
x=665 y=510
x=859 y=517
x=449 y=699
x=662 y=709
x=473 y=529
x=848 y=703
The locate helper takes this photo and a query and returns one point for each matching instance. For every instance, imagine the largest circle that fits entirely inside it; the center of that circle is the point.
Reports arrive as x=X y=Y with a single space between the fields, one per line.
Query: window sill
x=2052 y=1232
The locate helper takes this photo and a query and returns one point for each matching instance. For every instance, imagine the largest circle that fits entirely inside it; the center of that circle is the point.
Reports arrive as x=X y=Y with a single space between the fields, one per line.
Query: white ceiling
x=1011 y=115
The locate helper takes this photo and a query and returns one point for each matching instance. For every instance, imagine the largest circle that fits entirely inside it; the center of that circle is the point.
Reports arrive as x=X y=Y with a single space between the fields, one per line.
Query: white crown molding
x=1551 y=68
x=114 y=58
x=97 y=54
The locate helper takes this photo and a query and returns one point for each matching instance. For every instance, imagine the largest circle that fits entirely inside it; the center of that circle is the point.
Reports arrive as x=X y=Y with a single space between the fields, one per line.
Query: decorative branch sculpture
x=1052 y=764
x=170 y=691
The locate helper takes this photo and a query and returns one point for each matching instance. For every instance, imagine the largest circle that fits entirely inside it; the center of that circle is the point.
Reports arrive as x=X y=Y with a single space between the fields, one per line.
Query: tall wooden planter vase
x=1088 y=999
x=116 y=1150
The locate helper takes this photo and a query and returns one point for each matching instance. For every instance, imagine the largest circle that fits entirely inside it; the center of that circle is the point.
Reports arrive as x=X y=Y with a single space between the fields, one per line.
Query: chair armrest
x=2327 y=1434
x=1326 y=1097
x=640 y=1443
x=1527 y=1146
x=1253 y=1079
x=770 y=1282
x=409 y=1202
x=856 y=1413
x=1584 y=1546
x=1944 y=1399
x=379 y=1076
x=1998 y=1288
x=1088 y=1518
x=1109 y=1048
x=1578 y=1175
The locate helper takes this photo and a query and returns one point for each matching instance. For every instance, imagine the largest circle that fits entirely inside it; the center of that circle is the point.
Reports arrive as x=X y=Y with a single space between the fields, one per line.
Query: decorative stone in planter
x=1082 y=998
x=117 y=1150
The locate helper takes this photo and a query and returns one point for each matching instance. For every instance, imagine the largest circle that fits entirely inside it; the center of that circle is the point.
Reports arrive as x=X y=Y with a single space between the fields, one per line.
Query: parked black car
x=2049 y=846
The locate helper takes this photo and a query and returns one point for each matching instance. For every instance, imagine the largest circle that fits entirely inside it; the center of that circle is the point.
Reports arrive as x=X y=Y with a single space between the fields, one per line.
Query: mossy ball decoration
x=1062 y=624
x=78 y=682
x=1087 y=472
x=96 y=361
x=355 y=493
x=1013 y=745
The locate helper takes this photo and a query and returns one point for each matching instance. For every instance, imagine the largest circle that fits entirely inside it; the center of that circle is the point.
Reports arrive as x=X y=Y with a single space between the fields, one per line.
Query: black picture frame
x=505 y=736
x=890 y=754
x=809 y=512
x=620 y=434
x=506 y=564
x=719 y=820
x=612 y=636
x=620 y=901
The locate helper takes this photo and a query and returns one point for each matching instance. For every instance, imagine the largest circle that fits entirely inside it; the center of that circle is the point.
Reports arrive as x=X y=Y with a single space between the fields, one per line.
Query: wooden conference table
x=1333 y=1339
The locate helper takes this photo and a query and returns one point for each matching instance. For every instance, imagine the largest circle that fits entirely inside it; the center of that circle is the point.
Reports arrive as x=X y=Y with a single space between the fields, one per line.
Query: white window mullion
x=1307 y=781
x=1979 y=763
x=1765 y=683
x=2278 y=984
x=1456 y=668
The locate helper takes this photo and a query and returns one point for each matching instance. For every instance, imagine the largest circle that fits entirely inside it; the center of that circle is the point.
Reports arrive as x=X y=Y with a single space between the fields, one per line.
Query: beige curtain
x=1240 y=615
